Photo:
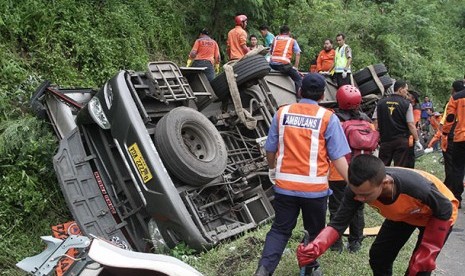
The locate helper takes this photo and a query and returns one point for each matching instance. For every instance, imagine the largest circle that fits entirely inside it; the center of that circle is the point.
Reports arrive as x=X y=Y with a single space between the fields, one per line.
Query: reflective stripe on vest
x=282 y=49
x=314 y=124
x=340 y=60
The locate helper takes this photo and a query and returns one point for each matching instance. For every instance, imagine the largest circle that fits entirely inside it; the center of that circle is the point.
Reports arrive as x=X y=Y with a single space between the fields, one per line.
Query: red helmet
x=239 y=19
x=348 y=97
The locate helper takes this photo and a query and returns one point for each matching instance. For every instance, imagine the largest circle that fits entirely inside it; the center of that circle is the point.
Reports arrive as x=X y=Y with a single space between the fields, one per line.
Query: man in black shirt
x=408 y=199
x=394 y=119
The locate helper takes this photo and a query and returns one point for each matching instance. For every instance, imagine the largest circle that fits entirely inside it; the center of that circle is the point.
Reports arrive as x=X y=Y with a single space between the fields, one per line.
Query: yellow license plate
x=141 y=165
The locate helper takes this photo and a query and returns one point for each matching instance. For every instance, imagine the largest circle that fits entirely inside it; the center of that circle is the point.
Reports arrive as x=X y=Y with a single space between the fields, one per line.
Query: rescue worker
x=237 y=39
x=349 y=99
x=434 y=121
x=325 y=60
x=413 y=97
x=408 y=199
x=282 y=50
x=205 y=53
x=302 y=138
x=342 y=61
x=456 y=116
x=394 y=119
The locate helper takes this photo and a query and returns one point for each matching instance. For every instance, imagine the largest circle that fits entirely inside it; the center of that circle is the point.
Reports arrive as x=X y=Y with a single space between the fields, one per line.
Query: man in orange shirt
x=205 y=53
x=325 y=60
x=455 y=123
x=237 y=39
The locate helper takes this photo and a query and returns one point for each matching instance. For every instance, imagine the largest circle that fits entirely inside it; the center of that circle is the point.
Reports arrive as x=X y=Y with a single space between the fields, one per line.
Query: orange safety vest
x=411 y=210
x=302 y=160
x=283 y=46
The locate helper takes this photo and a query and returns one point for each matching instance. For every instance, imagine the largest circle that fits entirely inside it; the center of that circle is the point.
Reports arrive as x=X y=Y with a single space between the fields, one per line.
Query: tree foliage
x=83 y=43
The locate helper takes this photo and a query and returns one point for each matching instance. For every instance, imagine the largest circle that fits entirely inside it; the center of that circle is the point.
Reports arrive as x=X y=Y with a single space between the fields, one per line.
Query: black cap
x=313 y=82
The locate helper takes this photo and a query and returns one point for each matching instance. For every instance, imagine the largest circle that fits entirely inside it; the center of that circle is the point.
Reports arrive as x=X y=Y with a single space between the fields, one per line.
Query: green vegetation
x=83 y=43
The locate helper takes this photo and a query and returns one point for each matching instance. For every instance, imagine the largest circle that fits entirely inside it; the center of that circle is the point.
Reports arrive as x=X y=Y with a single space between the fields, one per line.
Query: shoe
x=354 y=246
x=261 y=271
x=337 y=246
x=313 y=271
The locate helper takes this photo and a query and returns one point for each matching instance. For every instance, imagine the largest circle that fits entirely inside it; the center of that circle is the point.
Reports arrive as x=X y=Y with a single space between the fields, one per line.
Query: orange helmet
x=348 y=97
x=240 y=19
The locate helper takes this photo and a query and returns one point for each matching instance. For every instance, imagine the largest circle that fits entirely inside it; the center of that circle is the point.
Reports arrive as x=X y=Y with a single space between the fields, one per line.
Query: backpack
x=361 y=136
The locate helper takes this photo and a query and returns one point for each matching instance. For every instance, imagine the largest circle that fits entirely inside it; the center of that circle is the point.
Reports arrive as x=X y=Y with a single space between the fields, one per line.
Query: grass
x=240 y=256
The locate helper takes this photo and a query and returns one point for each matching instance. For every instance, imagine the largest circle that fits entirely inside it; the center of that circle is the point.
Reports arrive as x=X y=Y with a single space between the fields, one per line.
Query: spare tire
x=251 y=68
x=364 y=75
x=190 y=146
x=371 y=87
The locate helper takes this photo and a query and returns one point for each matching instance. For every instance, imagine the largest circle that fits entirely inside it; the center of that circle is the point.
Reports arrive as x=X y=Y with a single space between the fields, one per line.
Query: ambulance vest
x=302 y=160
x=282 y=49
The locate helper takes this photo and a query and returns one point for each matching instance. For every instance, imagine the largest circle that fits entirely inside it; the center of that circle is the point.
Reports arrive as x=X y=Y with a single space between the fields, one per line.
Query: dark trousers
x=209 y=72
x=391 y=238
x=448 y=165
x=455 y=181
x=342 y=81
x=358 y=222
x=287 y=210
x=397 y=150
x=411 y=158
x=289 y=70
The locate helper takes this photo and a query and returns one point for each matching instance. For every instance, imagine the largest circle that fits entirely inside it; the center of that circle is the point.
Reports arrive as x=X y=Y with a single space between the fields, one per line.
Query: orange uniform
x=412 y=209
x=438 y=136
x=456 y=114
x=237 y=37
x=325 y=60
x=206 y=48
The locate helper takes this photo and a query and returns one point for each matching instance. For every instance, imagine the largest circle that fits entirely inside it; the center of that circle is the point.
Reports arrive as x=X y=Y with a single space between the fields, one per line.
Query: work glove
x=344 y=74
x=418 y=145
x=434 y=237
x=189 y=62
x=272 y=175
x=309 y=253
x=217 y=68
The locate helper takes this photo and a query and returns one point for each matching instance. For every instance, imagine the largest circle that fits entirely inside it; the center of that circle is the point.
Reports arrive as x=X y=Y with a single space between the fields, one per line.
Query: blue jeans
x=287 y=210
x=209 y=72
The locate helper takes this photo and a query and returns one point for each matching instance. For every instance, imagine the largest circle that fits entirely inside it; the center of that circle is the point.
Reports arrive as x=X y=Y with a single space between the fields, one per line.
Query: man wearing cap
x=205 y=53
x=302 y=138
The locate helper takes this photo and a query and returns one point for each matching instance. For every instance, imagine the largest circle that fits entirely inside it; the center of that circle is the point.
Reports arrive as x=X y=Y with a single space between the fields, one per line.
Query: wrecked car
x=163 y=157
